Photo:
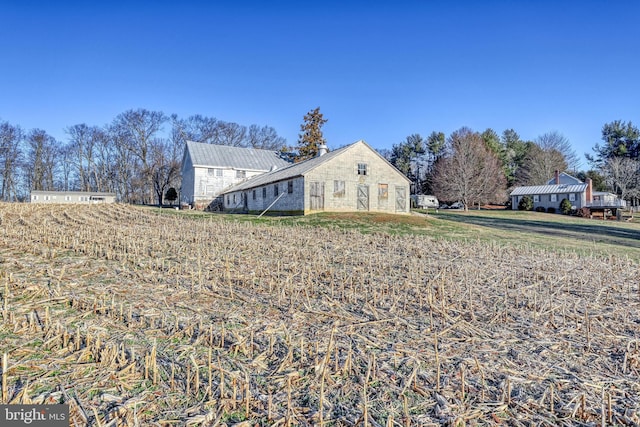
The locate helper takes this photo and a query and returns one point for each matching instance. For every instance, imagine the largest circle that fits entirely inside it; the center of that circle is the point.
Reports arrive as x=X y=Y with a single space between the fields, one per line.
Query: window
x=362 y=168
x=338 y=188
x=35 y=197
x=383 y=191
x=211 y=172
x=536 y=198
x=553 y=198
x=264 y=192
x=275 y=189
x=234 y=198
x=572 y=197
x=289 y=187
x=218 y=172
x=46 y=197
x=67 y=198
x=228 y=200
x=254 y=194
x=241 y=174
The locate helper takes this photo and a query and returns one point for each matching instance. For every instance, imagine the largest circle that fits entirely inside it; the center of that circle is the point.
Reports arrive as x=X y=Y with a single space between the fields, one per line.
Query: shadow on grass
x=588 y=232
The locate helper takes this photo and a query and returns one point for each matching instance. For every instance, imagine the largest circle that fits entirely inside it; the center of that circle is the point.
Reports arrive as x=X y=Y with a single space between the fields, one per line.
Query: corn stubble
x=135 y=318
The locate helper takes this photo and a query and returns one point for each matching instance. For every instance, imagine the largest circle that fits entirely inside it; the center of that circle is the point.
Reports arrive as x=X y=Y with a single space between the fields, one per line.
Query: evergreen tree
x=310 y=139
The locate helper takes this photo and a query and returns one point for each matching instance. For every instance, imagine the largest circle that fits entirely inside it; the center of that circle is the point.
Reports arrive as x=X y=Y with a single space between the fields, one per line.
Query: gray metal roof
x=548 y=189
x=292 y=170
x=297 y=169
x=224 y=156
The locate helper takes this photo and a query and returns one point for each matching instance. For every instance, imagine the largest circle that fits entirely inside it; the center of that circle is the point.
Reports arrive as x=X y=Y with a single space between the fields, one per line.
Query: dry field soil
x=137 y=318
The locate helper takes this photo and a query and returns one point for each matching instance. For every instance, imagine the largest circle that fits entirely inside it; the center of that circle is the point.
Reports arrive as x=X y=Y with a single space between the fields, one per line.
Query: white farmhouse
x=352 y=178
x=209 y=169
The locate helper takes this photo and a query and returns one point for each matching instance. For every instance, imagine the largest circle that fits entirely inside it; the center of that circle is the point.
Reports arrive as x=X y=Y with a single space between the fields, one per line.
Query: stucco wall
x=345 y=168
x=287 y=202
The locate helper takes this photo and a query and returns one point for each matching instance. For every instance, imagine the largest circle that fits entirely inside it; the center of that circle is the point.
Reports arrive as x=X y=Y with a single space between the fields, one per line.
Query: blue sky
x=379 y=71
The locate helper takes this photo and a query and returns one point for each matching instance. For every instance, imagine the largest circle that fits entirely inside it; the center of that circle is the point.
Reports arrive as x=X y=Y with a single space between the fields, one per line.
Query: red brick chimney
x=557 y=177
x=589 y=190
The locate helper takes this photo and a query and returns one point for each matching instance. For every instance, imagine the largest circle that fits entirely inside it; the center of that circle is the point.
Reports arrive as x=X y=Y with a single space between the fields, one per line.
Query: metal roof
x=548 y=189
x=297 y=169
x=224 y=156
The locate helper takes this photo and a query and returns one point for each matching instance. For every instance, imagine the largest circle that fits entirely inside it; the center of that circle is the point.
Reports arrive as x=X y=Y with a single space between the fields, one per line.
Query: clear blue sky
x=379 y=71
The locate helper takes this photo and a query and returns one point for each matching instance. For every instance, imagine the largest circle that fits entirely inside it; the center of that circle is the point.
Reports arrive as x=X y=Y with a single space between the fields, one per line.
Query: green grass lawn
x=538 y=230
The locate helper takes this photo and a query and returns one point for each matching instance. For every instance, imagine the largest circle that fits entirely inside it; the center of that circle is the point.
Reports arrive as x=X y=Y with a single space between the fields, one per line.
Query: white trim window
x=572 y=197
x=536 y=198
x=553 y=198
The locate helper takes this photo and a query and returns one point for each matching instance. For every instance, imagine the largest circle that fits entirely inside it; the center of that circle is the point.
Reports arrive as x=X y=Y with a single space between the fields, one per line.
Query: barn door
x=363 y=197
x=316 y=191
x=401 y=199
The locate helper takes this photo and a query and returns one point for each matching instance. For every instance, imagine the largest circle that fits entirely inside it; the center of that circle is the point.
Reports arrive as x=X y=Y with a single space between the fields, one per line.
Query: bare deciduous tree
x=468 y=171
x=41 y=160
x=623 y=176
x=540 y=165
x=11 y=138
x=138 y=129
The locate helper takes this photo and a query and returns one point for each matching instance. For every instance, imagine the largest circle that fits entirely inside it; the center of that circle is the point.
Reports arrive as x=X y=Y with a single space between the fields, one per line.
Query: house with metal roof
x=564 y=186
x=76 y=197
x=208 y=169
x=349 y=179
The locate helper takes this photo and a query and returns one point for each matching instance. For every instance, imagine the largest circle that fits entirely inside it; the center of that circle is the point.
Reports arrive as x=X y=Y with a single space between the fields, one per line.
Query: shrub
x=584 y=212
x=171 y=195
x=526 y=204
x=565 y=207
x=540 y=209
x=551 y=209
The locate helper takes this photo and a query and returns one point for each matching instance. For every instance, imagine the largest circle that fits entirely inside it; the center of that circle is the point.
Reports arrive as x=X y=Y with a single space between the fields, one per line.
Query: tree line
x=137 y=156
x=482 y=167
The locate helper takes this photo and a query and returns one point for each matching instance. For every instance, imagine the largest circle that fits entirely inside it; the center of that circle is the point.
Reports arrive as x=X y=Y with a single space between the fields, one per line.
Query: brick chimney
x=557 y=176
x=589 y=190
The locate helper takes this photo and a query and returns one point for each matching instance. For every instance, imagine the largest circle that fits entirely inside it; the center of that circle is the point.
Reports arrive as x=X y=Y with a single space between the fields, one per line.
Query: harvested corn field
x=136 y=318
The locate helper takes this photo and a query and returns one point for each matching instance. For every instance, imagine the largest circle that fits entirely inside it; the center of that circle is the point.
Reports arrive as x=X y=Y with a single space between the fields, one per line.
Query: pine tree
x=310 y=139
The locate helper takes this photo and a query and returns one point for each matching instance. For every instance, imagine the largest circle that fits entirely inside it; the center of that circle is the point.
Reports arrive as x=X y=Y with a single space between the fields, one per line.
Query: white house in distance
x=350 y=179
x=564 y=186
x=208 y=169
x=77 y=197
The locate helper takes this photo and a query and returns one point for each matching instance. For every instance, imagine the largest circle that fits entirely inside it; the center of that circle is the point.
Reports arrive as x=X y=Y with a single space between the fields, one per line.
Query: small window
x=46 y=197
x=572 y=197
x=211 y=172
x=218 y=172
x=67 y=198
x=338 y=188
x=228 y=200
x=383 y=191
x=553 y=198
x=536 y=198
x=241 y=174
x=264 y=192
x=254 y=194
x=35 y=197
x=362 y=168
x=289 y=187
x=234 y=198
x=275 y=189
